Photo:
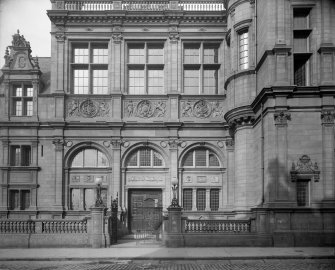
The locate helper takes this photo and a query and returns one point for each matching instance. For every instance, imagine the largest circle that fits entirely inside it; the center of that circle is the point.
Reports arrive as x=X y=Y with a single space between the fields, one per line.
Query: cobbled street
x=305 y=264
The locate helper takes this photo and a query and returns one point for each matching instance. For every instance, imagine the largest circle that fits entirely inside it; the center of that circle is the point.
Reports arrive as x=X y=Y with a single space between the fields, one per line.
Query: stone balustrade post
x=98 y=239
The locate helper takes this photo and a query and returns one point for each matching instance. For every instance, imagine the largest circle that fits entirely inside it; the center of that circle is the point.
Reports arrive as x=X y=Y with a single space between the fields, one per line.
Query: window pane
x=136 y=55
x=136 y=81
x=100 y=55
x=81 y=81
x=75 y=199
x=100 y=81
x=14 y=199
x=29 y=108
x=90 y=158
x=155 y=81
x=25 y=155
x=102 y=160
x=155 y=54
x=302 y=193
x=201 y=199
x=214 y=199
x=29 y=91
x=18 y=92
x=200 y=157
x=15 y=152
x=18 y=108
x=188 y=160
x=187 y=199
x=213 y=160
x=88 y=198
x=145 y=157
x=25 y=199
x=191 y=81
x=80 y=55
x=244 y=51
x=78 y=160
x=132 y=160
x=210 y=81
x=211 y=55
x=191 y=55
x=158 y=159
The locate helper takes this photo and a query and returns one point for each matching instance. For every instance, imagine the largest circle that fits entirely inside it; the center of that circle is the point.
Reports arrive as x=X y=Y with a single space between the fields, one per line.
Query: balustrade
x=217 y=226
x=64 y=226
x=193 y=5
x=17 y=226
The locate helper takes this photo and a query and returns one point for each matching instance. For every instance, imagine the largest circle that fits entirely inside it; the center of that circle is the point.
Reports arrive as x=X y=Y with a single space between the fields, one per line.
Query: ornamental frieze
x=202 y=109
x=145 y=108
x=87 y=108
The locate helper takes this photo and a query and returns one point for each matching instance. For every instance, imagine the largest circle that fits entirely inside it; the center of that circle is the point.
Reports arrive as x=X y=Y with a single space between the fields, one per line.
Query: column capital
x=327 y=117
x=281 y=118
x=59 y=144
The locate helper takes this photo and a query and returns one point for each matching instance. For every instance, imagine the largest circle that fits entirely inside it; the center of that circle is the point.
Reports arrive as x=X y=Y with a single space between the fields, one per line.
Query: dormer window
x=22 y=100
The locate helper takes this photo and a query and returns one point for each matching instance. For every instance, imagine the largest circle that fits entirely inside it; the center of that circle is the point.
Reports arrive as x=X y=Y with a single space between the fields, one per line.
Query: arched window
x=201 y=157
x=145 y=157
x=89 y=157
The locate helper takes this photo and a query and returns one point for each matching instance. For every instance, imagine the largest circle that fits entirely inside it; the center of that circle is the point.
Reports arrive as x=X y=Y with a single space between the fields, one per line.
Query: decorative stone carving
x=245 y=120
x=22 y=62
x=305 y=168
x=117 y=38
x=87 y=108
x=282 y=117
x=145 y=108
x=19 y=40
x=202 y=109
x=327 y=117
x=220 y=144
x=60 y=37
x=59 y=144
x=174 y=37
x=230 y=143
x=60 y=5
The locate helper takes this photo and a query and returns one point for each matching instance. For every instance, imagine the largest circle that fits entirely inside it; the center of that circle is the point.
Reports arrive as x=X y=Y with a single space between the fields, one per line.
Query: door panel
x=145 y=210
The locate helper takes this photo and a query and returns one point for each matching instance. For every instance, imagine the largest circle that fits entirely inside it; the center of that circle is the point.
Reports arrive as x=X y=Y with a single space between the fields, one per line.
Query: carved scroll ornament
x=87 y=108
x=305 y=168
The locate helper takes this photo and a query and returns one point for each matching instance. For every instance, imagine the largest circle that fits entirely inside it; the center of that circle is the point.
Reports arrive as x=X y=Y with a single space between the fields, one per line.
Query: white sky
x=29 y=16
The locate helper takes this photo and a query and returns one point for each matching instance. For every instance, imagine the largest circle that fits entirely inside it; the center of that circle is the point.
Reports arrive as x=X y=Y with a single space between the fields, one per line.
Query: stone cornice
x=241 y=116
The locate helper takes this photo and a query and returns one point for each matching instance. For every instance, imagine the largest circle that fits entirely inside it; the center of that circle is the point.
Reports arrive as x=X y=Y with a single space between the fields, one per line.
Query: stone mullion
x=7 y=101
x=194 y=199
x=35 y=95
x=328 y=145
x=4 y=175
x=207 y=208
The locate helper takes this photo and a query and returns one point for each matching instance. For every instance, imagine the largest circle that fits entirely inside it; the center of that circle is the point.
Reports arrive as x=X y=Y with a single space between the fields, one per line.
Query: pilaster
x=58 y=181
x=231 y=173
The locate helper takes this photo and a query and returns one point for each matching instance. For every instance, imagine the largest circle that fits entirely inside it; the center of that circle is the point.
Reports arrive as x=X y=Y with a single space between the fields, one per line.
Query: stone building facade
x=234 y=100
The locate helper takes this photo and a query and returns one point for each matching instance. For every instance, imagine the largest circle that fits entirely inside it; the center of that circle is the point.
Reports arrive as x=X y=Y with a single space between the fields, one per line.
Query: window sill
x=20 y=168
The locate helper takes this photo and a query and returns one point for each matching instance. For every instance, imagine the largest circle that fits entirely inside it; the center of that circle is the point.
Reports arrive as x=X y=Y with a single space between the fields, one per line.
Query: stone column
x=282 y=184
x=230 y=172
x=173 y=64
x=58 y=183
x=327 y=118
x=116 y=59
x=115 y=185
x=97 y=228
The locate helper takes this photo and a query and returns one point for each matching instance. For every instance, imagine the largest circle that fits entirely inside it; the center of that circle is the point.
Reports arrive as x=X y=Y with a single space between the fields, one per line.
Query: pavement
x=119 y=252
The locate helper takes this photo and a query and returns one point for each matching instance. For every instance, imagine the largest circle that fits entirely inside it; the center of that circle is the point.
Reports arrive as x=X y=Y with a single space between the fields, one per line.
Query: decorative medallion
x=22 y=62
x=202 y=109
x=87 y=108
x=145 y=108
x=305 y=167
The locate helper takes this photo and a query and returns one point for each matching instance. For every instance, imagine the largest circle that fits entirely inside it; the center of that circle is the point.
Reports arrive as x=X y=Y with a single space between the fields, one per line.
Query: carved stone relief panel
x=86 y=179
x=87 y=108
x=202 y=108
x=200 y=179
x=145 y=108
x=145 y=179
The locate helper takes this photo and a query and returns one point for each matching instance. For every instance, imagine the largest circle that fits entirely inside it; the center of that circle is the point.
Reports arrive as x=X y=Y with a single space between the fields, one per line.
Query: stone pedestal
x=174 y=237
x=98 y=239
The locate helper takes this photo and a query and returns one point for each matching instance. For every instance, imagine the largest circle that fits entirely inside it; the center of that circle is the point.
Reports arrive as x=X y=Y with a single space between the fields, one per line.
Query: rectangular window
x=19 y=199
x=201 y=68
x=214 y=199
x=301 y=18
x=201 y=199
x=187 y=199
x=302 y=193
x=20 y=155
x=146 y=68
x=22 y=100
x=90 y=68
x=244 y=50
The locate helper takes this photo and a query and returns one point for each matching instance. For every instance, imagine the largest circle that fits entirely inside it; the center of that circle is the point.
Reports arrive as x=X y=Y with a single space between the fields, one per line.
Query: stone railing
x=158 y=5
x=45 y=227
x=17 y=226
x=64 y=226
x=217 y=226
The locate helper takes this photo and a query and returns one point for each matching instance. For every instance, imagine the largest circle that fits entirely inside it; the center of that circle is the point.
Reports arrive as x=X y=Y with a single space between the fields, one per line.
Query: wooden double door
x=145 y=210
